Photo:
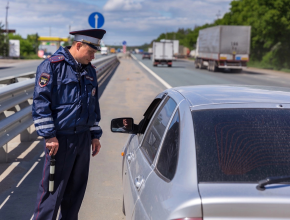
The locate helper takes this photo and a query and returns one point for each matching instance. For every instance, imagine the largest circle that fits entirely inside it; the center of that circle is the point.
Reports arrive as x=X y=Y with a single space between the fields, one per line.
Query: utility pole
x=218 y=14
x=6 y=24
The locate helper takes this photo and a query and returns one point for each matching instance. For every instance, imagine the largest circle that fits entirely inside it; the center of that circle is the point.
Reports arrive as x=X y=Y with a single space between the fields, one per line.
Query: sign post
x=124 y=46
x=96 y=20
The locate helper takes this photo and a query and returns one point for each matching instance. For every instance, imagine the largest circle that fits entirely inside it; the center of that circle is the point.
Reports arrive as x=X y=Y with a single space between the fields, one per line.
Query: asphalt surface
x=183 y=73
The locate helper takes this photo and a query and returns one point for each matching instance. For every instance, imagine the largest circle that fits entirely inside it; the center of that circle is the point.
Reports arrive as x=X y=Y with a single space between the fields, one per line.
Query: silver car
x=209 y=152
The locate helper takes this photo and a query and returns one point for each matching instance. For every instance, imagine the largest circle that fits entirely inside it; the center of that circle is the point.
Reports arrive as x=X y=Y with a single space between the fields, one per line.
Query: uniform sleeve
x=41 y=107
x=96 y=130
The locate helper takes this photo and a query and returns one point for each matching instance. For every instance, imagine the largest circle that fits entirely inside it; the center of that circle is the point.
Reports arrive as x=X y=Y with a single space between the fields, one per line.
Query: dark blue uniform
x=65 y=106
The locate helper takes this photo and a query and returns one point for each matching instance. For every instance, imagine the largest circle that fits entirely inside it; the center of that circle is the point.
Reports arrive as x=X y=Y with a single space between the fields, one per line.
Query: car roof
x=226 y=94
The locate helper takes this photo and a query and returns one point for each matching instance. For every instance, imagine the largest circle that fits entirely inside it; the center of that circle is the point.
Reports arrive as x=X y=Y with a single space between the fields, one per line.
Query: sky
x=134 y=21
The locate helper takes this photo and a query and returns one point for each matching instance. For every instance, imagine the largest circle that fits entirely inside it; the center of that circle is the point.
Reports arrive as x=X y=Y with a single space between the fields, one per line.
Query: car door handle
x=130 y=157
x=138 y=182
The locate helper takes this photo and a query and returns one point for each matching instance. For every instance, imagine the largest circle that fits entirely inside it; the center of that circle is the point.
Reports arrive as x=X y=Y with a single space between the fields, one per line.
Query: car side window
x=167 y=161
x=157 y=128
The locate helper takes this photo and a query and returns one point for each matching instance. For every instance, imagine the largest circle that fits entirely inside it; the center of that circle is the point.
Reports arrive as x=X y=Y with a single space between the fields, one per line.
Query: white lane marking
x=8 y=171
x=32 y=217
x=3 y=203
x=154 y=74
x=42 y=155
x=27 y=151
x=29 y=171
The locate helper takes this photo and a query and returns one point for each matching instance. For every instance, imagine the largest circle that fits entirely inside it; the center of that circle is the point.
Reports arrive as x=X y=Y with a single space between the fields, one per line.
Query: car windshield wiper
x=271 y=180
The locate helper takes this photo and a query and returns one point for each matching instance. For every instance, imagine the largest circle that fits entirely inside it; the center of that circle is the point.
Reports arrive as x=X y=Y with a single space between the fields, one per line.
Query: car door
x=142 y=165
x=157 y=187
x=130 y=150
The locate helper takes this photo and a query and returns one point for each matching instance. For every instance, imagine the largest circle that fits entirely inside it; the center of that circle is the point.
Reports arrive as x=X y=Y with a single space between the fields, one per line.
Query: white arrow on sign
x=96 y=20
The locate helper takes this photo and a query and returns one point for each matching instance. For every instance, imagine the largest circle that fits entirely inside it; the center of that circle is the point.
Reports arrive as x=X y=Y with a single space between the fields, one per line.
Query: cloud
x=125 y=5
x=136 y=21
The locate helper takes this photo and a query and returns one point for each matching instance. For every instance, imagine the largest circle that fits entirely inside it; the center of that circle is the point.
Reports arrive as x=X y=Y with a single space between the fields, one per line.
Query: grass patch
x=261 y=65
x=285 y=70
x=30 y=57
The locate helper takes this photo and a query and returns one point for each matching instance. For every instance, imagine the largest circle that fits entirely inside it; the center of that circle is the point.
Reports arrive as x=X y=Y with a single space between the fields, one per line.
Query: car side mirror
x=123 y=125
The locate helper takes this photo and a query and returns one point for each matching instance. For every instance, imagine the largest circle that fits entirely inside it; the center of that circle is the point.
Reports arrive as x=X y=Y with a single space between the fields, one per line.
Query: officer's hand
x=52 y=145
x=96 y=146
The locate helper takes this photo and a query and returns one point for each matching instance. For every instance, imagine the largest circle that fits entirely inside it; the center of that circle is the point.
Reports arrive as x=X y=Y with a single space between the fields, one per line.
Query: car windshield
x=242 y=145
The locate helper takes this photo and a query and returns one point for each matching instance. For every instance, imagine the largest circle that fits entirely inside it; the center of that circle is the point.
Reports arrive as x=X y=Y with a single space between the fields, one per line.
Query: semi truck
x=162 y=53
x=223 y=47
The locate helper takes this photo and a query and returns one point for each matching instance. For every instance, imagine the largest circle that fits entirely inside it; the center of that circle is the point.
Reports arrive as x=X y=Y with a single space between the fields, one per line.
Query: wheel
x=154 y=64
x=209 y=66
x=123 y=208
x=169 y=65
x=197 y=64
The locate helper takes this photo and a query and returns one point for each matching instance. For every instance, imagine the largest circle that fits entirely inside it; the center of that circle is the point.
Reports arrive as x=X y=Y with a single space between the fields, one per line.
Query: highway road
x=183 y=73
x=128 y=93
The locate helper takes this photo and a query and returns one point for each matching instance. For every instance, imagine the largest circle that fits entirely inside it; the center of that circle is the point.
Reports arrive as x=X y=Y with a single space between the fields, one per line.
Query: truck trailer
x=162 y=53
x=223 y=47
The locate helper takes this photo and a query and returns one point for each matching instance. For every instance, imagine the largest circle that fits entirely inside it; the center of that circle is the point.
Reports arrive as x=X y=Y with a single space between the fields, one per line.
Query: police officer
x=66 y=113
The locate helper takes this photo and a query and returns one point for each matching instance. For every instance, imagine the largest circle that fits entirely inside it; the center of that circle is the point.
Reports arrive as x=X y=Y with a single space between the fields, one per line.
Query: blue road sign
x=124 y=43
x=96 y=20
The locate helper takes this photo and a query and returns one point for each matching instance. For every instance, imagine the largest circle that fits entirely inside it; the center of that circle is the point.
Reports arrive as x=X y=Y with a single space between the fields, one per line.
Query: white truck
x=175 y=45
x=162 y=53
x=104 y=50
x=223 y=47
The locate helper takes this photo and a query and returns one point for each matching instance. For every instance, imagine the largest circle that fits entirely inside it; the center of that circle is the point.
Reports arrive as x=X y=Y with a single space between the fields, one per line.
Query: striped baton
x=51 y=174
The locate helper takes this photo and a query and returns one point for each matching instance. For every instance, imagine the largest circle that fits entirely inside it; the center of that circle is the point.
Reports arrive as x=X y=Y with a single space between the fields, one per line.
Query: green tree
x=27 y=46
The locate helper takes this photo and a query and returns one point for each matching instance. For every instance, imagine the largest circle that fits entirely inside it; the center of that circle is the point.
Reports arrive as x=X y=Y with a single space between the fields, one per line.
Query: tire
x=169 y=65
x=123 y=208
x=236 y=70
x=209 y=66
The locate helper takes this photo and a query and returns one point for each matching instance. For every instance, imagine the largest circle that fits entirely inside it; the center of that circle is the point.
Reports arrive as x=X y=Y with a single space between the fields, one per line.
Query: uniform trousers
x=70 y=179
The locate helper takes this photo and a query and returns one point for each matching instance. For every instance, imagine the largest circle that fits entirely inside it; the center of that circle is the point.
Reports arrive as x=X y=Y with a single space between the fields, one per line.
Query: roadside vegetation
x=270 y=22
x=28 y=45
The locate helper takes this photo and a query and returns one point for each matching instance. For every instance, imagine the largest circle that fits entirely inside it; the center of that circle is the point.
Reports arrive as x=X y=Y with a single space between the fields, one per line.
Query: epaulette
x=93 y=66
x=56 y=59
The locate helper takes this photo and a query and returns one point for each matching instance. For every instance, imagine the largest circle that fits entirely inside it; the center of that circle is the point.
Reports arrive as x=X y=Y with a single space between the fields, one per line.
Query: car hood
x=244 y=201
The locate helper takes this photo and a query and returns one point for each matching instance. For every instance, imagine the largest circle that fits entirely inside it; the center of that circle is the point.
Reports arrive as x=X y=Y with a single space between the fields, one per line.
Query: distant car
x=104 y=50
x=46 y=55
x=209 y=152
x=146 y=56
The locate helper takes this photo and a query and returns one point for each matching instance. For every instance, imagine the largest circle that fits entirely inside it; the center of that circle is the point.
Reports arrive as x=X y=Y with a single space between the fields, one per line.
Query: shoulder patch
x=56 y=59
x=93 y=66
x=44 y=79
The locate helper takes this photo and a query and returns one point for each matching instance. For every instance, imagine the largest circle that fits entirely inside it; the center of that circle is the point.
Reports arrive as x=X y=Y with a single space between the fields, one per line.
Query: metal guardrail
x=15 y=79
x=14 y=94
x=29 y=75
